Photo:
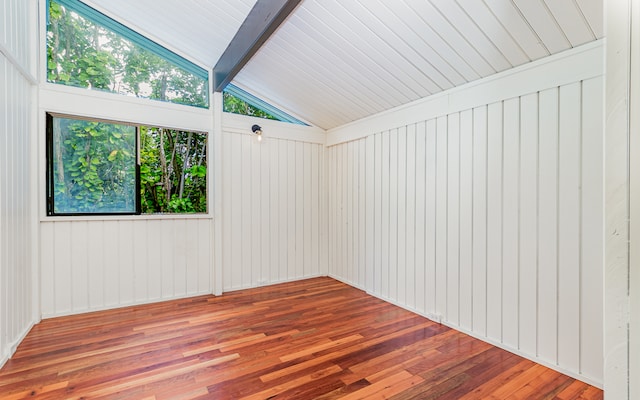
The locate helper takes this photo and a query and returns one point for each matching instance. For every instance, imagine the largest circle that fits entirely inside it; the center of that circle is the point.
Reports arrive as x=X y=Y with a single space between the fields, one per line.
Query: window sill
x=143 y=217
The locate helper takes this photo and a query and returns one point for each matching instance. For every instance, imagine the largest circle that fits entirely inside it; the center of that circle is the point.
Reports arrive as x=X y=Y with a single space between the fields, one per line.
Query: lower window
x=100 y=168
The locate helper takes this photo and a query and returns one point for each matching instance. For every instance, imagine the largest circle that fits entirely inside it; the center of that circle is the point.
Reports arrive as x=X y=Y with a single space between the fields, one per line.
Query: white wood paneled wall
x=16 y=93
x=100 y=264
x=272 y=210
x=489 y=219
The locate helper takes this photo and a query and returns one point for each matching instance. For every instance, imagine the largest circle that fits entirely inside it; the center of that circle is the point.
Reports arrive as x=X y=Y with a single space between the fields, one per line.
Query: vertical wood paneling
x=227 y=196
x=79 y=273
x=314 y=224
x=389 y=227
x=362 y=210
x=266 y=213
x=235 y=255
x=272 y=211
x=283 y=169
x=528 y=246
x=453 y=219
x=489 y=218
x=421 y=218
x=254 y=229
x=300 y=210
x=348 y=265
x=47 y=274
x=441 y=234
x=291 y=213
x=345 y=235
x=431 y=218
x=246 y=213
x=480 y=220
x=569 y=210
x=592 y=252
x=62 y=271
x=124 y=262
x=410 y=238
x=167 y=264
x=466 y=220
x=354 y=204
x=93 y=265
x=548 y=226
x=154 y=258
x=340 y=185
x=401 y=273
x=510 y=222
x=494 y=220
x=17 y=311
x=377 y=201
x=330 y=167
x=140 y=272
x=370 y=210
x=307 y=204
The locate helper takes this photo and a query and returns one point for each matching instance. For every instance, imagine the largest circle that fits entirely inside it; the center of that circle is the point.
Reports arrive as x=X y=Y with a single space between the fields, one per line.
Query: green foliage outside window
x=92 y=169
x=235 y=105
x=173 y=171
x=82 y=53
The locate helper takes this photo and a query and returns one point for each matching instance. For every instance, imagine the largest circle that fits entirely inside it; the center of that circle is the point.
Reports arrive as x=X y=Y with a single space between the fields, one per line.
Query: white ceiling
x=336 y=61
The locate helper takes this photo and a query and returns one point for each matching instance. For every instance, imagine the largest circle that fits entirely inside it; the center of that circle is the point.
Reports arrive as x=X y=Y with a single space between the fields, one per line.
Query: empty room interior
x=358 y=199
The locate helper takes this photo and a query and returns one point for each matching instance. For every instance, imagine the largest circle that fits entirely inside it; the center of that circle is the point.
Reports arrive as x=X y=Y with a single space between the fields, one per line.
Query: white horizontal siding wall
x=272 y=206
x=16 y=215
x=100 y=264
x=487 y=218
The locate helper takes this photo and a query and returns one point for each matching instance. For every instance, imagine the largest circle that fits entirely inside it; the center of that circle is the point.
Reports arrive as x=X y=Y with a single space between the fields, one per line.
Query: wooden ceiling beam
x=263 y=19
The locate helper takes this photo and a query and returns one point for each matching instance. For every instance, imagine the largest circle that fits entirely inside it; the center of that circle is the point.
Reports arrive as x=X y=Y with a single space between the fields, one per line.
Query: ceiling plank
x=263 y=19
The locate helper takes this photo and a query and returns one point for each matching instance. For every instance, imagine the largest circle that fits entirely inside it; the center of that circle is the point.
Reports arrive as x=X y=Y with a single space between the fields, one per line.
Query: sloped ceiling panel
x=197 y=29
x=336 y=61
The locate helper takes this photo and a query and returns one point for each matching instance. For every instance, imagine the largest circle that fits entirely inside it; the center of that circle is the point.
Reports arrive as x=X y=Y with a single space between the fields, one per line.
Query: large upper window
x=87 y=49
x=98 y=167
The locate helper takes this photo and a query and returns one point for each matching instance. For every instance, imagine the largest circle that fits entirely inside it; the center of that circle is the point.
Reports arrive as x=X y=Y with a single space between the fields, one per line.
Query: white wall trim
x=14 y=61
x=8 y=352
x=619 y=23
x=573 y=65
x=142 y=217
x=234 y=123
x=216 y=194
x=634 y=209
x=116 y=107
x=353 y=284
x=123 y=305
x=275 y=282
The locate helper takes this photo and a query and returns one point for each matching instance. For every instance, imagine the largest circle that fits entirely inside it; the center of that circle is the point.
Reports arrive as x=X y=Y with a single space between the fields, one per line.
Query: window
x=87 y=49
x=238 y=101
x=100 y=167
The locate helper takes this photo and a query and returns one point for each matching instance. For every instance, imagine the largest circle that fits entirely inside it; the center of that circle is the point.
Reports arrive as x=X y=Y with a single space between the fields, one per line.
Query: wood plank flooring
x=312 y=339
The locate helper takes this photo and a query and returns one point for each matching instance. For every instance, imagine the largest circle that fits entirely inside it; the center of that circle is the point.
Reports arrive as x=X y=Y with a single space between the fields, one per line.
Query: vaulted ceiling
x=336 y=61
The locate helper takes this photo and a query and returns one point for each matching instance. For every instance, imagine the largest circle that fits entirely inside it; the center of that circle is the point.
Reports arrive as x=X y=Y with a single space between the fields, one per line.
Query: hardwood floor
x=313 y=339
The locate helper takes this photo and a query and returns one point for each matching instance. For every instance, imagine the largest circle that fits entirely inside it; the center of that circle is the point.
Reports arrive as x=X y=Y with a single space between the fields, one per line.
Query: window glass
x=87 y=49
x=92 y=168
x=238 y=101
x=235 y=105
x=173 y=171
